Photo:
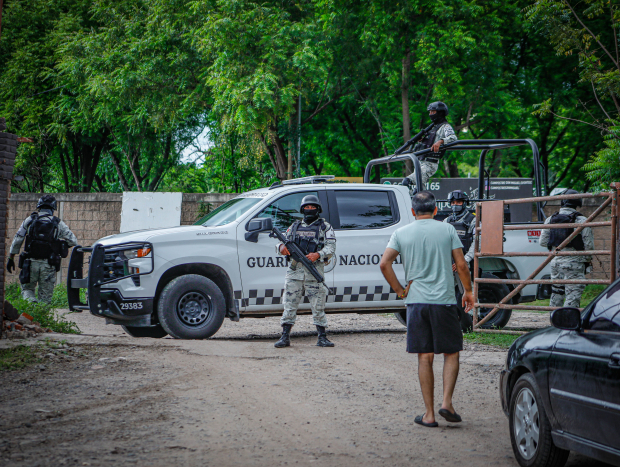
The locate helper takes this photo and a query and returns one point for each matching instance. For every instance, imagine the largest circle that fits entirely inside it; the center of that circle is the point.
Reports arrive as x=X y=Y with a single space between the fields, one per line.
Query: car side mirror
x=256 y=226
x=566 y=318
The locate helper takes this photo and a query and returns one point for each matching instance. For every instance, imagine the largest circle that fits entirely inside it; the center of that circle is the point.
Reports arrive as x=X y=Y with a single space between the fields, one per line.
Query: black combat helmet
x=310 y=199
x=571 y=203
x=47 y=201
x=458 y=195
x=439 y=107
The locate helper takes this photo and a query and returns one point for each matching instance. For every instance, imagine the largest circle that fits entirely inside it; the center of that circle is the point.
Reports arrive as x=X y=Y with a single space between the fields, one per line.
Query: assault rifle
x=297 y=254
x=414 y=140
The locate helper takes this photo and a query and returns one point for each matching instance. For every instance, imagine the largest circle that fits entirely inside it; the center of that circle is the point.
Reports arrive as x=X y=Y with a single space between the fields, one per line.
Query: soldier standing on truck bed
x=441 y=133
x=317 y=239
x=568 y=267
x=47 y=241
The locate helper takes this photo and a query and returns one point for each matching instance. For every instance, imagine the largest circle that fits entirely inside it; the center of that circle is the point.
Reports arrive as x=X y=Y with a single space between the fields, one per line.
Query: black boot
x=285 y=340
x=323 y=340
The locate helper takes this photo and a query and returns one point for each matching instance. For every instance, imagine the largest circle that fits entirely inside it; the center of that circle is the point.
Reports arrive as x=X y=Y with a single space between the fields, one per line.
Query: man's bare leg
x=450 y=374
x=427 y=384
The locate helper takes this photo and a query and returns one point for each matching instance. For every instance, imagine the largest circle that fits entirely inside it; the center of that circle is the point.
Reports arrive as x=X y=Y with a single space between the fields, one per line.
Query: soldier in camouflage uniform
x=316 y=237
x=441 y=133
x=44 y=264
x=568 y=267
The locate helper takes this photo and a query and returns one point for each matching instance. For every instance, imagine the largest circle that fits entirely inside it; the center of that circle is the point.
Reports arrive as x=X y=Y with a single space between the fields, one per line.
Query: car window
x=605 y=315
x=228 y=212
x=284 y=211
x=359 y=209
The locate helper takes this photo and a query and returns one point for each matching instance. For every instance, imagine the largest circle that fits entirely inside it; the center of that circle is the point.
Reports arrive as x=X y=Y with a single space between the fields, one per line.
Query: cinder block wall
x=94 y=215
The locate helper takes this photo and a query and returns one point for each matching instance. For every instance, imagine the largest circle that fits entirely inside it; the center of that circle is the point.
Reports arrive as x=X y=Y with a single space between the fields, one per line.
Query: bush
x=46 y=315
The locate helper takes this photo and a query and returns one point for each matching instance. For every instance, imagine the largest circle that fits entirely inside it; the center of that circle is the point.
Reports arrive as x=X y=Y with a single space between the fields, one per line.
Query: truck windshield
x=227 y=212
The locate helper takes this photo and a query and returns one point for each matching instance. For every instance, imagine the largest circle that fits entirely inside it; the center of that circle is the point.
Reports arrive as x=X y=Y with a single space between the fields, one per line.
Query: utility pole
x=298 y=137
x=1 y=4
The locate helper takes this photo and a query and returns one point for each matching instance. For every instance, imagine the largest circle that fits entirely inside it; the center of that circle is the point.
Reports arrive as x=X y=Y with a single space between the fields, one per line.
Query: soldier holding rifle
x=438 y=133
x=317 y=241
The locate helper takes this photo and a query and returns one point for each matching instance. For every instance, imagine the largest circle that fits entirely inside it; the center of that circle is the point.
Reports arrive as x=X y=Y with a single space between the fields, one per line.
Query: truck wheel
x=488 y=293
x=401 y=316
x=530 y=430
x=156 y=332
x=191 y=307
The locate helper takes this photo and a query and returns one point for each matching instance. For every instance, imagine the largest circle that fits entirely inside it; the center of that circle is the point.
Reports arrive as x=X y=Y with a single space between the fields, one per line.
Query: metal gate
x=488 y=242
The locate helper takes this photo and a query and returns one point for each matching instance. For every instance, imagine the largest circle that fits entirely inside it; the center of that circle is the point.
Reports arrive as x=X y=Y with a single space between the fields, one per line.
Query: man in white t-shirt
x=427 y=248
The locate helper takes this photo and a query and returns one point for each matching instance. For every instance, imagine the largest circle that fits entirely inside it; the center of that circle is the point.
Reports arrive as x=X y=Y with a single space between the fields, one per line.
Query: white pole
x=299 y=137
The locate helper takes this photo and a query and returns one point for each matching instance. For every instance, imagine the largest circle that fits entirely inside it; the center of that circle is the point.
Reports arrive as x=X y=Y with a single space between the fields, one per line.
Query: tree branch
x=578 y=121
x=313 y=114
x=599 y=102
x=615 y=62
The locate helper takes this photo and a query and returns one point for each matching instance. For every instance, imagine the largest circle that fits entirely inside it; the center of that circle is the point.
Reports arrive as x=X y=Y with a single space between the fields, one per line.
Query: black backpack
x=42 y=237
x=557 y=236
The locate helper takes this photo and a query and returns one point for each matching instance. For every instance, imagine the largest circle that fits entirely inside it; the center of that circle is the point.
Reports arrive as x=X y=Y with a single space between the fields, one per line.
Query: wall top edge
x=118 y=197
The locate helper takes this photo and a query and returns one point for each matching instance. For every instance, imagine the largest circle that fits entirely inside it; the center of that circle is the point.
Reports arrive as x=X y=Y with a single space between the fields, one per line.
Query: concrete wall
x=94 y=215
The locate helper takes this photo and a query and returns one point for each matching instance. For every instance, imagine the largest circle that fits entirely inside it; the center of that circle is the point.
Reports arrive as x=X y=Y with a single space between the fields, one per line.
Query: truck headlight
x=139 y=261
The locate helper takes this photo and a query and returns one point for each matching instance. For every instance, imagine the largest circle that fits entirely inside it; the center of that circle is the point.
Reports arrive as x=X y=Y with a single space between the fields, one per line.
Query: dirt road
x=107 y=399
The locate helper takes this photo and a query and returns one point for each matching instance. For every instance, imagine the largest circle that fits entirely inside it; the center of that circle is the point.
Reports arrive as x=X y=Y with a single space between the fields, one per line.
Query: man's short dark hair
x=424 y=203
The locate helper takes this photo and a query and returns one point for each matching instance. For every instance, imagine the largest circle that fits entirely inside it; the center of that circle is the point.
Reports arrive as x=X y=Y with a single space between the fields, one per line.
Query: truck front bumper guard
x=104 y=302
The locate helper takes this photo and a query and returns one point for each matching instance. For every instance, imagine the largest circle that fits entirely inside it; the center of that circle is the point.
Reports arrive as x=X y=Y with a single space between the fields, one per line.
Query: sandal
x=449 y=416
x=420 y=421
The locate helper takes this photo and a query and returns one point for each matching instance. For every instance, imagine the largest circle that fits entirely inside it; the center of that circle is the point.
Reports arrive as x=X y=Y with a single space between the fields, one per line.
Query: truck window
x=284 y=211
x=364 y=209
x=228 y=212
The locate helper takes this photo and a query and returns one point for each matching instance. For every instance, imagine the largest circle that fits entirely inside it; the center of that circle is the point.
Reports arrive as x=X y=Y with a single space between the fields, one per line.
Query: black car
x=561 y=386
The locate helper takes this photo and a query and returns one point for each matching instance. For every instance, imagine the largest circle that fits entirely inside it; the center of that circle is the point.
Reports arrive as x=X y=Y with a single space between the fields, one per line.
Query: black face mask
x=458 y=209
x=310 y=215
x=437 y=117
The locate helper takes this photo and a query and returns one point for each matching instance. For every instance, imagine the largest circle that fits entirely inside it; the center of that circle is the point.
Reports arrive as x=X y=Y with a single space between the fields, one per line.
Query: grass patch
x=592 y=291
x=18 y=357
x=44 y=314
x=497 y=340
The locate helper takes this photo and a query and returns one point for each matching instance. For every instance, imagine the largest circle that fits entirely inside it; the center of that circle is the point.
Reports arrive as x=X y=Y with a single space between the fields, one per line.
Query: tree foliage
x=115 y=94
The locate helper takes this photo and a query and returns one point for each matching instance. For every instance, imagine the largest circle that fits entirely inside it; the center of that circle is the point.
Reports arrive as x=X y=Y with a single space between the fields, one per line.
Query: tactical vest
x=42 y=237
x=462 y=226
x=428 y=141
x=307 y=237
x=557 y=236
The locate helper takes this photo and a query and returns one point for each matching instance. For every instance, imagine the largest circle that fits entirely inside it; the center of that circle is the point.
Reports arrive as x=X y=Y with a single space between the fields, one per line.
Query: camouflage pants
x=428 y=170
x=568 y=294
x=293 y=293
x=43 y=274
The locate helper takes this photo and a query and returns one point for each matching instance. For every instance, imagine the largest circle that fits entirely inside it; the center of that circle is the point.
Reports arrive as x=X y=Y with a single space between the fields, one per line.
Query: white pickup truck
x=184 y=281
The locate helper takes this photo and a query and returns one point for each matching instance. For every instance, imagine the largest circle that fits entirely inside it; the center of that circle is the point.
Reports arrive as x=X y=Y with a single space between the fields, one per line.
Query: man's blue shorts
x=433 y=329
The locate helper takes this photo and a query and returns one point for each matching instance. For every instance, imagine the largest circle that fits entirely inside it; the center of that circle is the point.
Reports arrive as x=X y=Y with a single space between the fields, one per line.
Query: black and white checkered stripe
x=377 y=293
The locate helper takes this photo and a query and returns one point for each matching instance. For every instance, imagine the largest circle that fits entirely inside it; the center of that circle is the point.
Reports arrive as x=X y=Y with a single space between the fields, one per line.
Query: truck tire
x=191 y=307
x=156 y=332
x=401 y=316
x=488 y=293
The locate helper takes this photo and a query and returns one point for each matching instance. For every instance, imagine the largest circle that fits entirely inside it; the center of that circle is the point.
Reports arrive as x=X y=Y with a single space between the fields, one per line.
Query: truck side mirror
x=256 y=226
x=566 y=318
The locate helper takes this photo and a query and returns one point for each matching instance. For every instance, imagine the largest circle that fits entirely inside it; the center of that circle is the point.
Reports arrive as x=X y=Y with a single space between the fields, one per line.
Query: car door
x=364 y=221
x=584 y=377
x=262 y=269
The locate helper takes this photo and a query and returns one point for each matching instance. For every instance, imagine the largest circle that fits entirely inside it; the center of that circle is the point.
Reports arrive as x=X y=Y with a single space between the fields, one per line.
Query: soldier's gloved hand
x=406 y=182
x=10 y=265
